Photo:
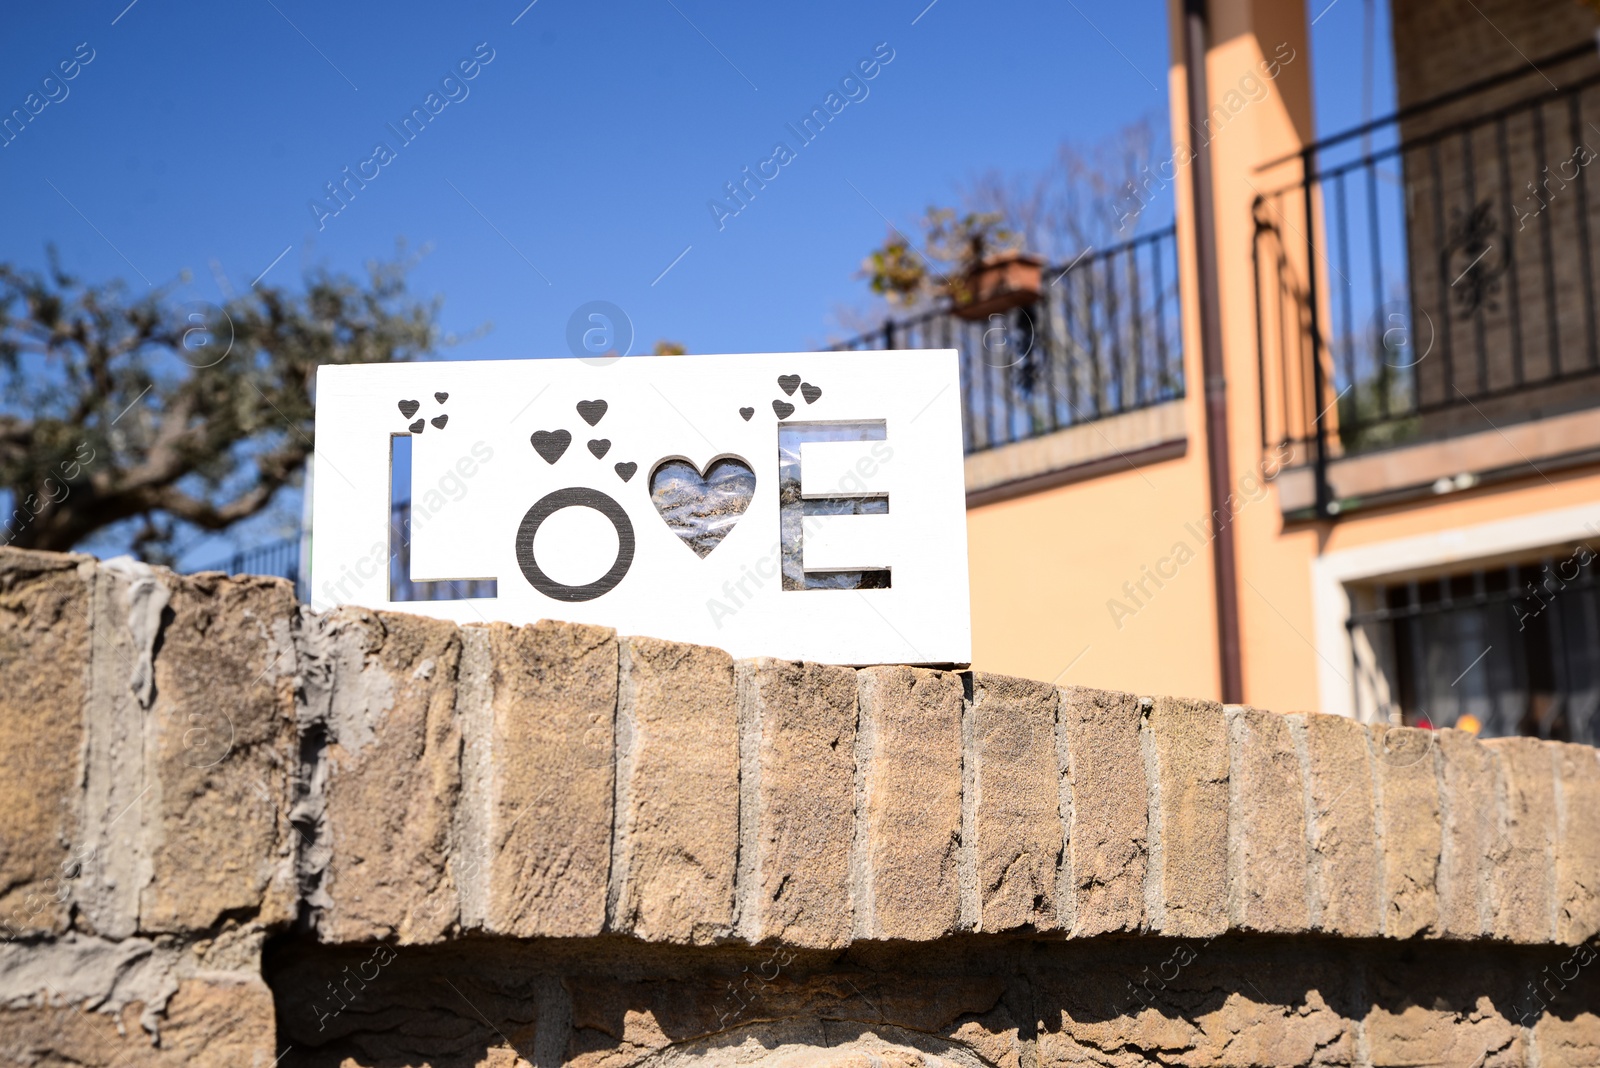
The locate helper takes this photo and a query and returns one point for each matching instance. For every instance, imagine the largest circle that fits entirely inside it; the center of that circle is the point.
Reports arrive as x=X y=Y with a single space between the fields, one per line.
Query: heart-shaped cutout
x=550 y=443
x=416 y=428
x=702 y=508
x=783 y=408
x=789 y=383
x=592 y=411
x=810 y=392
x=439 y=421
x=746 y=413
x=600 y=446
x=409 y=408
x=625 y=471
x=441 y=397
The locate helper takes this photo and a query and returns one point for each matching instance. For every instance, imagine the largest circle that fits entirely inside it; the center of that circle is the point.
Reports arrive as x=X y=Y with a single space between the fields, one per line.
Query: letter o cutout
x=548 y=505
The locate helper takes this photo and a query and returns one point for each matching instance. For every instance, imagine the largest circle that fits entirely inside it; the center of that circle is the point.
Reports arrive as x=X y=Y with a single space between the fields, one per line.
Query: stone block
x=90 y=1001
x=1409 y=829
x=797 y=751
x=1566 y=1040
x=1016 y=802
x=44 y=679
x=1523 y=856
x=393 y=775
x=1434 y=1003
x=1267 y=885
x=1108 y=811
x=1412 y=1034
x=1246 y=1030
x=220 y=1020
x=677 y=835
x=1187 y=894
x=1577 y=843
x=1277 y=1011
x=908 y=804
x=1469 y=774
x=552 y=764
x=220 y=745
x=1198 y=1003
x=1341 y=820
x=74 y=1035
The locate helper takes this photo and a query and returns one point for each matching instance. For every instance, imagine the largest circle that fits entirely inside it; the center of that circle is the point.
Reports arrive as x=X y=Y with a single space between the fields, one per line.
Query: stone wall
x=238 y=832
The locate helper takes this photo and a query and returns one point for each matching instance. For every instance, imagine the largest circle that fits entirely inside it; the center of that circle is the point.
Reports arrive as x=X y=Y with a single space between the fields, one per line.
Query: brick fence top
x=223 y=809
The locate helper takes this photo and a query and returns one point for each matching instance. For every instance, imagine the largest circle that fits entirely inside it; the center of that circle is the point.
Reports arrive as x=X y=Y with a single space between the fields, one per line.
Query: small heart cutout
x=600 y=446
x=625 y=471
x=592 y=411
x=550 y=444
x=439 y=421
x=747 y=413
x=810 y=392
x=702 y=509
x=789 y=383
x=409 y=408
x=416 y=428
x=441 y=397
x=783 y=408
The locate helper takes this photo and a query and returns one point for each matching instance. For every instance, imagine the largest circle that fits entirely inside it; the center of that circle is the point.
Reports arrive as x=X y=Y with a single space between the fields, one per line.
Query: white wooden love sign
x=798 y=505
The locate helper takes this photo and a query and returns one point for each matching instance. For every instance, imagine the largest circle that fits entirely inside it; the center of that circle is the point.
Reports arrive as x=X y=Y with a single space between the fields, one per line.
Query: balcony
x=1087 y=378
x=1426 y=294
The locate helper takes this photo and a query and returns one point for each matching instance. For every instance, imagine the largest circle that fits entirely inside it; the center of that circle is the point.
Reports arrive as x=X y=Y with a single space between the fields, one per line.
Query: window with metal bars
x=1502 y=650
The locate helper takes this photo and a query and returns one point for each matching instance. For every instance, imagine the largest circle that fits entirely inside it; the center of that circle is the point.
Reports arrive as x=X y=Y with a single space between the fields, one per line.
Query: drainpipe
x=1216 y=384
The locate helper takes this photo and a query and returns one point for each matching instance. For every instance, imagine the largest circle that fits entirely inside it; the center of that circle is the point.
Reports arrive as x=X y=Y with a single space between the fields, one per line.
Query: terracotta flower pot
x=1009 y=280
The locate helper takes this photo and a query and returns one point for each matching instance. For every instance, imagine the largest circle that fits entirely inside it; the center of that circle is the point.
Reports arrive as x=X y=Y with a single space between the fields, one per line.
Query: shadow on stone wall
x=1015 y=1003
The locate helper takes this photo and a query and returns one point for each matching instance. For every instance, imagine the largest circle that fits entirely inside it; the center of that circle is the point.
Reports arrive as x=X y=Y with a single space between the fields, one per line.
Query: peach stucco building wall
x=1045 y=566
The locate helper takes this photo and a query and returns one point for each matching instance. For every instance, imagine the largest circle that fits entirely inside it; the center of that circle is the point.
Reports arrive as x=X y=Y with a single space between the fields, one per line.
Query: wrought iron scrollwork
x=1474 y=259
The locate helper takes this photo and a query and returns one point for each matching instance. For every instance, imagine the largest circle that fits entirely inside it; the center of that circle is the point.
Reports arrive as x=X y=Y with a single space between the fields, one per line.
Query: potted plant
x=999 y=283
x=987 y=271
x=990 y=272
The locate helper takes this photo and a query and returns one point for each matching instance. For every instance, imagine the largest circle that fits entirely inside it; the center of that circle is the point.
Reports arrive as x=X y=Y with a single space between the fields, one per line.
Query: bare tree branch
x=111 y=415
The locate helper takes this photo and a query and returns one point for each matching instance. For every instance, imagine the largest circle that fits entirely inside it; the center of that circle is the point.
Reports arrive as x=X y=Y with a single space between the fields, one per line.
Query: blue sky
x=579 y=164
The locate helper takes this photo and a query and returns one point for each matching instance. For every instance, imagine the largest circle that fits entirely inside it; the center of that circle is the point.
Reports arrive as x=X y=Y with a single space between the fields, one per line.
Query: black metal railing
x=1433 y=272
x=282 y=558
x=1103 y=338
x=279 y=558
